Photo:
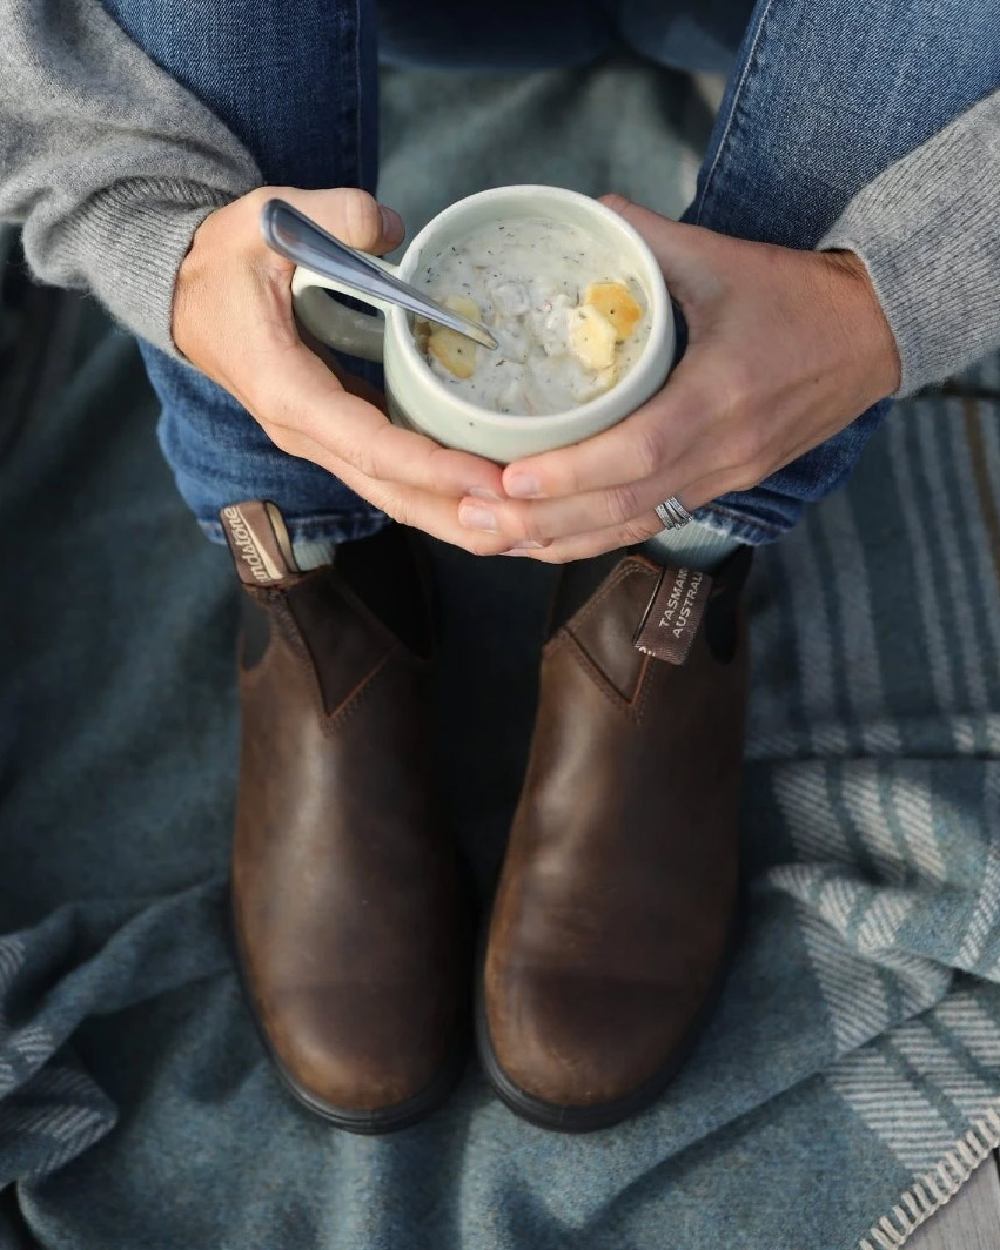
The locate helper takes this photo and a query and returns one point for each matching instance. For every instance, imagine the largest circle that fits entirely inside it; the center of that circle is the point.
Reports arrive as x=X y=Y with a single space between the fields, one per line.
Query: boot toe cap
x=578 y=1042
x=356 y=1055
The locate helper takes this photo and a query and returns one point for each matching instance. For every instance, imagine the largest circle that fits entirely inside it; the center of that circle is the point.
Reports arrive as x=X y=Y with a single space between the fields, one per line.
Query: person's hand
x=785 y=349
x=233 y=319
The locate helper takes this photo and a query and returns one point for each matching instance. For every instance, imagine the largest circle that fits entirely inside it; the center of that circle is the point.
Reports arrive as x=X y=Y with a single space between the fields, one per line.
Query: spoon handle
x=294 y=236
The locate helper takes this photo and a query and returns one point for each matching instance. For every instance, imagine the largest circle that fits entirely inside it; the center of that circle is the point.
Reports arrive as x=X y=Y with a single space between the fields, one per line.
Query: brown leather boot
x=346 y=899
x=616 y=904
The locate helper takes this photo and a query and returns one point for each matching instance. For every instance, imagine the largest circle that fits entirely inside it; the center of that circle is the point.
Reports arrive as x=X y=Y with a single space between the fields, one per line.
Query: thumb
x=349 y=214
x=691 y=257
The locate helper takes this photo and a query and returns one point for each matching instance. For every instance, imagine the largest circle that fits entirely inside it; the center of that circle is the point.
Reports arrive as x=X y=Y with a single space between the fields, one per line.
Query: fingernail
x=523 y=486
x=526 y=545
x=513 y=552
x=480 y=492
x=392 y=223
x=476 y=518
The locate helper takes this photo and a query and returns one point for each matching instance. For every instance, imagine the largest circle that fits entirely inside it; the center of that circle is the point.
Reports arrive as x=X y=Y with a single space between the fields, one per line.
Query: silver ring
x=673 y=514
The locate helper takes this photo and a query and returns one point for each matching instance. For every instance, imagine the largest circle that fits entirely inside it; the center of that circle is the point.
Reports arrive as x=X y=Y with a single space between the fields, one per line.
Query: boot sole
x=589 y=1119
x=374 y=1123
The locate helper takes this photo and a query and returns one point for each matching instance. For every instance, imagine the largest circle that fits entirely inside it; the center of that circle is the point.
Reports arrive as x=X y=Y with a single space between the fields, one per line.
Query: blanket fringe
x=933 y=1189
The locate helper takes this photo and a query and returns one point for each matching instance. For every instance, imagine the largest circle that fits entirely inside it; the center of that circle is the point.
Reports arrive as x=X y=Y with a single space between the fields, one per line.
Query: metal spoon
x=294 y=236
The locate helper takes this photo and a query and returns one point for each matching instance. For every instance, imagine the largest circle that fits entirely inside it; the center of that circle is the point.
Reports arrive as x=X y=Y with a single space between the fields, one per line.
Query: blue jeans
x=822 y=96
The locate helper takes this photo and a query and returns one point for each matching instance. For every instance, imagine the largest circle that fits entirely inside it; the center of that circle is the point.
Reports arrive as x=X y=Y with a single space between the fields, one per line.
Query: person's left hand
x=785 y=348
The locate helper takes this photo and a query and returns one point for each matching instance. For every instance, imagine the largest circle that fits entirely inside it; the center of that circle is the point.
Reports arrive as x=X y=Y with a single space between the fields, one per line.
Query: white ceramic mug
x=418 y=400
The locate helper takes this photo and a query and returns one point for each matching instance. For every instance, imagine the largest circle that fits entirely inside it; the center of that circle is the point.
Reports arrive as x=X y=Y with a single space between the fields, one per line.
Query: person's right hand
x=233 y=320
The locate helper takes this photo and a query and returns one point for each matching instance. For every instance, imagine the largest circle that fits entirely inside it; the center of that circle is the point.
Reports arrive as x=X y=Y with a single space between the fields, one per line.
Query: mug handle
x=348 y=330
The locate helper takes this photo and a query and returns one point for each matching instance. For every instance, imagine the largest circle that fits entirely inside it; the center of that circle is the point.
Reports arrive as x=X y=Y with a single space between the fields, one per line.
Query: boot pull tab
x=258 y=539
x=671 y=620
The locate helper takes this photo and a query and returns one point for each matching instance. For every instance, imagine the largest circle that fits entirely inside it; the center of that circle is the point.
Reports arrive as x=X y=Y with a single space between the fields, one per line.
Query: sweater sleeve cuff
x=136 y=234
x=926 y=230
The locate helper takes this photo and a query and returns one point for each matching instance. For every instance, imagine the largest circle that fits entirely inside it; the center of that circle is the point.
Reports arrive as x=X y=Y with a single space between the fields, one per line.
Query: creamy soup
x=569 y=317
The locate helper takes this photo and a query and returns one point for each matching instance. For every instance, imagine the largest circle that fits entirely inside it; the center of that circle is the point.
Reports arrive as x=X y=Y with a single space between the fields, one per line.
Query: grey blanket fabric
x=111 y=166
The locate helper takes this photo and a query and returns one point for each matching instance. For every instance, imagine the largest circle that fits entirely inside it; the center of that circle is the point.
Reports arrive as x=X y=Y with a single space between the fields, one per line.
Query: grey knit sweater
x=111 y=165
